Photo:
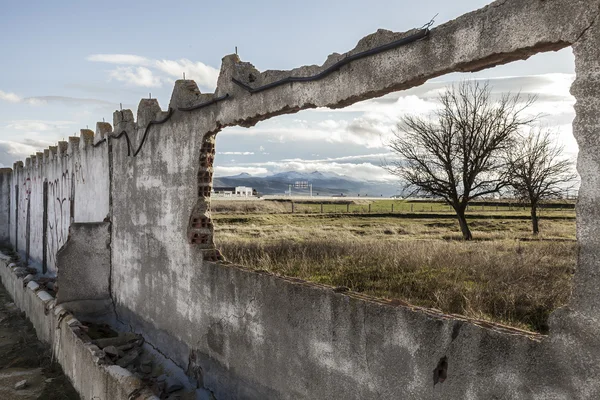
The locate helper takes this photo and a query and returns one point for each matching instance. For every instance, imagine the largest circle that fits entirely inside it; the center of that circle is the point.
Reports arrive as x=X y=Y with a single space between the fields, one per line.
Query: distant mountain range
x=324 y=184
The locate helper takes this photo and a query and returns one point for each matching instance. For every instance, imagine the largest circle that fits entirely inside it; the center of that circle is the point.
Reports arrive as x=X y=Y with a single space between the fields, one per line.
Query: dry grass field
x=504 y=275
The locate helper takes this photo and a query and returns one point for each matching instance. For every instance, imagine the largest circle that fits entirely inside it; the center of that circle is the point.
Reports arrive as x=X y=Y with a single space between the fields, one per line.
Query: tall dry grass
x=508 y=281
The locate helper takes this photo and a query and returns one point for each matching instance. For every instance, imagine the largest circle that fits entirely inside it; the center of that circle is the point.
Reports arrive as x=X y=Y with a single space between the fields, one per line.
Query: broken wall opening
x=359 y=234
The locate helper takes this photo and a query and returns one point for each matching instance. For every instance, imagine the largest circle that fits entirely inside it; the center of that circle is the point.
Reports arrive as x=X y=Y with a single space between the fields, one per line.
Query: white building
x=243 y=191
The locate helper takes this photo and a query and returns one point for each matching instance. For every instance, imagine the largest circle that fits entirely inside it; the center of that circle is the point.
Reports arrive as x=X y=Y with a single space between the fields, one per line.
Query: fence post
x=348 y=208
x=321 y=208
x=369 y=207
x=292 y=207
x=392 y=207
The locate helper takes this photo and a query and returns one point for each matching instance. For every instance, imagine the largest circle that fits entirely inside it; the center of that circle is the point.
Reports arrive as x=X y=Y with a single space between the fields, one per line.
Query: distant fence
x=296 y=207
x=392 y=207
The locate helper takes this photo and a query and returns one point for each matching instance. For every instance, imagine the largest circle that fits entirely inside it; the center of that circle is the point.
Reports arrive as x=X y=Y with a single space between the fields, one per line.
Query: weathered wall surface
x=5 y=184
x=84 y=263
x=249 y=335
x=52 y=189
x=257 y=336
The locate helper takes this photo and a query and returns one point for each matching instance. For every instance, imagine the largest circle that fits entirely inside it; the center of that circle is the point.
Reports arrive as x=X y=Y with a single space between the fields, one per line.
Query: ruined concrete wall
x=54 y=188
x=252 y=335
x=5 y=184
x=245 y=334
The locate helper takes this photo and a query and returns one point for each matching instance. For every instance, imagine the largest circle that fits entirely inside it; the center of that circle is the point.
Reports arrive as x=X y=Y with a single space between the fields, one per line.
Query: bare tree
x=457 y=153
x=537 y=170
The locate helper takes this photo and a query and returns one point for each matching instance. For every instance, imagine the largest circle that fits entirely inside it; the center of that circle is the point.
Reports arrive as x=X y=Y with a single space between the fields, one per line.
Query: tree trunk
x=534 y=220
x=464 y=227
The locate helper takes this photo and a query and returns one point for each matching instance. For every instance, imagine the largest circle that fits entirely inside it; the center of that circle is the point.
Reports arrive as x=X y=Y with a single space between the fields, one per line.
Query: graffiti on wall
x=59 y=208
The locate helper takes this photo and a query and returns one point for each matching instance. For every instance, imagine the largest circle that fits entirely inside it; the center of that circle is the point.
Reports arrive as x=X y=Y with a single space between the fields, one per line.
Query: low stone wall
x=58 y=327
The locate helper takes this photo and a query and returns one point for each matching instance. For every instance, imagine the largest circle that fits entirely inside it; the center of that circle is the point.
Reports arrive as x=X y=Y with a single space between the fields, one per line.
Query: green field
x=504 y=275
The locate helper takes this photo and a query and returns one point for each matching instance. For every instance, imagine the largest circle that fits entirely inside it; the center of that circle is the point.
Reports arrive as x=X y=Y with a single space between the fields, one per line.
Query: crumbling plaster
x=246 y=334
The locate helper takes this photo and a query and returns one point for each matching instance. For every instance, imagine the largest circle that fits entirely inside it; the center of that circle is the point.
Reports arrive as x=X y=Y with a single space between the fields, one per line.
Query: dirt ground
x=24 y=357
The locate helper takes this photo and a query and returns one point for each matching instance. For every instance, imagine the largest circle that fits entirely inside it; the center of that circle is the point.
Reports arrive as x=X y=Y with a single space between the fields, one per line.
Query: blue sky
x=68 y=64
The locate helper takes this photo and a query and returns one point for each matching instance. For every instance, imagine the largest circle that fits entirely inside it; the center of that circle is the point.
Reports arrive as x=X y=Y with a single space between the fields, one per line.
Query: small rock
x=113 y=351
x=50 y=286
x=172 y=385
x=126 y=347
x=145 y=368
x=21 y=384
x=129 y=358
x=49 y=380
x=21 y=272
x=28 y=279
x=122 y=339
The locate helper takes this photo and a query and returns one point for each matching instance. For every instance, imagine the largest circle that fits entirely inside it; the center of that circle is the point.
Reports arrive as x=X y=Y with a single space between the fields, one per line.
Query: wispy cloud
x=136 y=76
x=364 y=170
x=10 y=97
x=204 y=75
x=229 y=171
x=236 y=153
x=141 y=71
x=122 y=59
x=43 y=100
x=362 y=157
x=37 y=125
x=371 y=123
x=15 y=98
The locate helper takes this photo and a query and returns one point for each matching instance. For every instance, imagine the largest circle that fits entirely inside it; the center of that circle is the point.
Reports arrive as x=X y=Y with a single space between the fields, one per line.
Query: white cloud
x=371 y=123
x=40 y=100
x=122 y=59
x=36 y=125
x=236 y=153
x=363 y=171
x=10 y=97
x=137 y=76
x=228 y=171
x=330 y=132
x=204 y=75
x=142 y=71
x=345 y=158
